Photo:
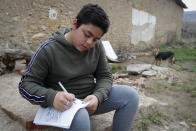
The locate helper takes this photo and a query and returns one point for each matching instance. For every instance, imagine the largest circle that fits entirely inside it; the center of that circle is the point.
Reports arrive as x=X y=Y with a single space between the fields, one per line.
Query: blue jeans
x=123 y=99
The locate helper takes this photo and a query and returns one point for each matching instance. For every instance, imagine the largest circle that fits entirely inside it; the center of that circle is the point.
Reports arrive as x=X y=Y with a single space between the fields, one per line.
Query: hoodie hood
x=60 y=35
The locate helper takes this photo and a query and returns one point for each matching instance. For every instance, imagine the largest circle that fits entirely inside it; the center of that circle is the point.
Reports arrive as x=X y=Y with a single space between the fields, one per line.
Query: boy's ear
x=74 y=24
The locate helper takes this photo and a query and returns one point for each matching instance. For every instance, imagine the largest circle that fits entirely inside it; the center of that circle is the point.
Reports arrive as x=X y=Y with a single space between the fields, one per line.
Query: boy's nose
x=89 y=41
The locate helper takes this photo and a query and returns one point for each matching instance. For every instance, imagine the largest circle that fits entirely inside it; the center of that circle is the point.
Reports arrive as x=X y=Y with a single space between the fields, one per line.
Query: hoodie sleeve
x=103 y=76
x=31 y=86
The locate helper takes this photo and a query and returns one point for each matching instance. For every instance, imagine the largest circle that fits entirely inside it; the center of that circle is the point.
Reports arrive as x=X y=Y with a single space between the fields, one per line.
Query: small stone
x=183 y=123
x=149 y=73
x=138 y=68
x=38 y=35
x=160 y=69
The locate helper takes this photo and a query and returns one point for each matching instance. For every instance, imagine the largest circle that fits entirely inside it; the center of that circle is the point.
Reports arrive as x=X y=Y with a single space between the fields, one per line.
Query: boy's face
x=85 y=36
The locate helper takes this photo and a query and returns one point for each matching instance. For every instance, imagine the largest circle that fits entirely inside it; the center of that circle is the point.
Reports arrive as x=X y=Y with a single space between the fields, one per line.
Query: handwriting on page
x=52 y=117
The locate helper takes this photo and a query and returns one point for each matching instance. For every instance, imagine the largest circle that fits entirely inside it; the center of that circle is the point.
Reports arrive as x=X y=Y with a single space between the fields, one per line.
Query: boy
x=76 y=58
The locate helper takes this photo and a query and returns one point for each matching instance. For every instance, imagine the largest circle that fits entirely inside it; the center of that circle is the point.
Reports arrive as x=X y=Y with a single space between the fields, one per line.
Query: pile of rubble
x=8 y=58
x=144 y=71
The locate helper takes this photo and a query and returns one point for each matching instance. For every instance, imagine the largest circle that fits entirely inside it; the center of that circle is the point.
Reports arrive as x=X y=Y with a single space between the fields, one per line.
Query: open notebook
x=52 y=117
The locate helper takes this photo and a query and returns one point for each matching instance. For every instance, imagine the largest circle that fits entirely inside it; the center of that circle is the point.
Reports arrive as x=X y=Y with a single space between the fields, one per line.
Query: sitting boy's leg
x=124 y=100
x=81 y=121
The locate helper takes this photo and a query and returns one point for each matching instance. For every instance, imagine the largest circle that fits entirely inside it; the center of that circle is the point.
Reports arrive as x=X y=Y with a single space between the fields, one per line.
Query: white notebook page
x=52 y=117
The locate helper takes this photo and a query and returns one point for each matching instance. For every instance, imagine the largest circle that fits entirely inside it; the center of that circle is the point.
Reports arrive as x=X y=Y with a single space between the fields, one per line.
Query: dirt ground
x=176 y=104
x=176 y=108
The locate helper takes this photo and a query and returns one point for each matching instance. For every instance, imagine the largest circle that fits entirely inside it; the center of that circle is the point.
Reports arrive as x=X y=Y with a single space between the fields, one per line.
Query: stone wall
x=134 y=23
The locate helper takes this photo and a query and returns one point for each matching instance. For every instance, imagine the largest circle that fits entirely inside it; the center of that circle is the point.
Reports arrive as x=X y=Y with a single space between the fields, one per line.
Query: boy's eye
x=87 y=35
x=95 y=40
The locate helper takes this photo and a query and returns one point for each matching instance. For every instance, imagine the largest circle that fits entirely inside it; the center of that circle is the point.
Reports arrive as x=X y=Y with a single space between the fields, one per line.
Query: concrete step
x=21 y=112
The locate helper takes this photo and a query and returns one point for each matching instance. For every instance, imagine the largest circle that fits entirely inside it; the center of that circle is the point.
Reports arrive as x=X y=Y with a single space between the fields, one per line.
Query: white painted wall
x=143 y=27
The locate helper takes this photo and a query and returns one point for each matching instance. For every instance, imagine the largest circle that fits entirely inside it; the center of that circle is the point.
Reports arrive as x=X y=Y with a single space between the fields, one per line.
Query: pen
x=62 y=87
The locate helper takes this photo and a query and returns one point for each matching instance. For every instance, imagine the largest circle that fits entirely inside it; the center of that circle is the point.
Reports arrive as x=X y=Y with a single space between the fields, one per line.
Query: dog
x=159 y=56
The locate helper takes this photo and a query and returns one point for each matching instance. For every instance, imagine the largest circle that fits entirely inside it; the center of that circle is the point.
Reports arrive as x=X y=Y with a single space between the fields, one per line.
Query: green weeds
x=186 y=86
x=118 y=68
x=153 y=115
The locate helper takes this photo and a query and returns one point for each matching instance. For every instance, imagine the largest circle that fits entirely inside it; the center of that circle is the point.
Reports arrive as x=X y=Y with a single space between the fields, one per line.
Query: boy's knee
x=133 y=93
x=135 y=96
x=131 y=96
x=81 y=121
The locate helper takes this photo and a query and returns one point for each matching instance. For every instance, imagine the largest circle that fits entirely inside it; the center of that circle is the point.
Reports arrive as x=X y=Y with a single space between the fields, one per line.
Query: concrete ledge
x=22 y=111
x=12 y=102
x=102 y=122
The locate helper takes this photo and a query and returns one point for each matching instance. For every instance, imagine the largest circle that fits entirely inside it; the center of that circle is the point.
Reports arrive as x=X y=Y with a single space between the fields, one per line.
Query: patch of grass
x=187 y=86
x=175 y=86
x=152 y=116
x=184 y=54
x=156 y=117
x=193 y=94
x=163 y=47
x=118 y=68
x=147 y=117
x=174 y=83
x=189 y=89
x=175 y=106
x=174 y=129
x=175 y=89
x=191 y=79
x=184 y=115
x=159 y=87
x=144 y=125
x=179 y=69
x=187 y=115
x=193 y=69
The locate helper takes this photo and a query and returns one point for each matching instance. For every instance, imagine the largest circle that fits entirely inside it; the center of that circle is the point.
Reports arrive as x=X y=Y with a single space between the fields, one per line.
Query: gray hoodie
x=81 y=73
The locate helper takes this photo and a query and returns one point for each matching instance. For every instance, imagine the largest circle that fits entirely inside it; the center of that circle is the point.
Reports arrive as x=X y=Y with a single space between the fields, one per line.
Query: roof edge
x=181 y=3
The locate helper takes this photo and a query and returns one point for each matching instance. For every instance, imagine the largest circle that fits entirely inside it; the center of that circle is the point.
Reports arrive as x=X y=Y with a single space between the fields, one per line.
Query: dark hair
x=93 y=14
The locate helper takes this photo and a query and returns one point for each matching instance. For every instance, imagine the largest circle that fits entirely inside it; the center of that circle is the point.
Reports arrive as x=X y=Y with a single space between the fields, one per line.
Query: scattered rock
x=136 y=69
x=162 y=103
x=9 y=56
x=20 y=65
x=38 y=36
x=146 y=101
x=149 y=73
x=138 y=84
x=160 y=69
x=116 y=76
x=183 y=123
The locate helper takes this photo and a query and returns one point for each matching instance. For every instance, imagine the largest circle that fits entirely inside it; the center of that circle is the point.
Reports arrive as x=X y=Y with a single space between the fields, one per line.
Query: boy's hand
x=63 y=100
x=92 y=106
